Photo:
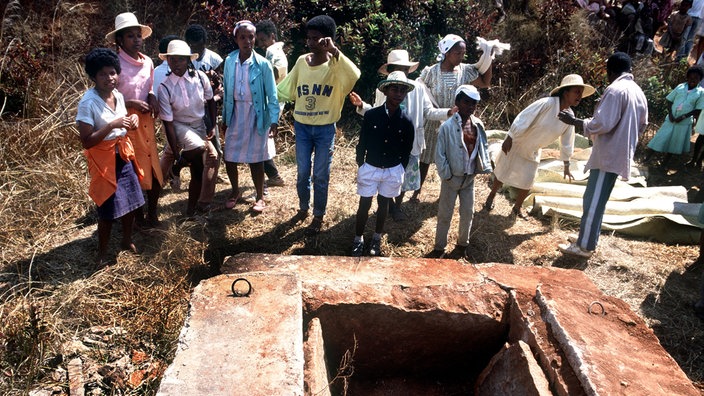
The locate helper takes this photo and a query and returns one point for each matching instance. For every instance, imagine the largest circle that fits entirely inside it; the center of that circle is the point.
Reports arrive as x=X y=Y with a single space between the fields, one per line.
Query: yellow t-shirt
x=318 y=91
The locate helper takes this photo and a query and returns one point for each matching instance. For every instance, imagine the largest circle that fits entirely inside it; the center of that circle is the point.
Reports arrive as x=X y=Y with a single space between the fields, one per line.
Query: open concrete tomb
x=389 y=326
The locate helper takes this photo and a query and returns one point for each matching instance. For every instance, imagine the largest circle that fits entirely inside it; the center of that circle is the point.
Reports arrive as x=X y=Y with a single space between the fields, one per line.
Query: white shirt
x=209 y=61
x=188 y=106
x=93 y=111
x=160 y=73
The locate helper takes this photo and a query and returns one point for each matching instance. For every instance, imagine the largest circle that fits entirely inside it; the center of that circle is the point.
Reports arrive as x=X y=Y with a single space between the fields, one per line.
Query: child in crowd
x=266 y=40
x=182 y=96
x=461 y=152
x=135 y=84
x=103 y=122
x=250 y=112
x=677 y=24
x=686 y=101
x=418 y=107
x=209 y=63
x=385 y=144
x=318 y=84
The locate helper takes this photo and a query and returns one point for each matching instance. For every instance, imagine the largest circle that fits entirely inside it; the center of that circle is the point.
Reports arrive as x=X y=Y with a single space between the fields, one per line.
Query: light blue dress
x=672 y=137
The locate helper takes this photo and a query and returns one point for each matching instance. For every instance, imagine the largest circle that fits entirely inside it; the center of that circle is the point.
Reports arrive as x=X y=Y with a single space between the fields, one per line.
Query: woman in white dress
x=250 y=113
x=534 y=128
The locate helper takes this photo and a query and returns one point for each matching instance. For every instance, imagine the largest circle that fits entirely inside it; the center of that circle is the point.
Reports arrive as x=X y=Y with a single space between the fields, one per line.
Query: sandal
x=314 y=227
x=259 y=206
x=233 y=200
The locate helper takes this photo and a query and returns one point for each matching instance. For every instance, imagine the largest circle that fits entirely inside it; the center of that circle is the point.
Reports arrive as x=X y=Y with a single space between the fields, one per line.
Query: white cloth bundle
x=489 y=48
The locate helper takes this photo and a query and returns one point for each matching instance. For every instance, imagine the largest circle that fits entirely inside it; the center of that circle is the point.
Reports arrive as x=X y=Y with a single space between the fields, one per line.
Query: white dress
x=535 y=127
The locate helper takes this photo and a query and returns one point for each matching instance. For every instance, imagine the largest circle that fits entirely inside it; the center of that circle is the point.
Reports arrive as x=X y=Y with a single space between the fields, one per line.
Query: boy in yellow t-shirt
x=318 y=84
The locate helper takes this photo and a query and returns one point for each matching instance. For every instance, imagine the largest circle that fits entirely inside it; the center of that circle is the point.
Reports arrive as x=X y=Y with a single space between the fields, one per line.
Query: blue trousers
x=314 y=147
x=599 y=187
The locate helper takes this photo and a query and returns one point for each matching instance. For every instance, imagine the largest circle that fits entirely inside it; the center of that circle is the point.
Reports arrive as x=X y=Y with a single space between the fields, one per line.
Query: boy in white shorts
x=385 y=144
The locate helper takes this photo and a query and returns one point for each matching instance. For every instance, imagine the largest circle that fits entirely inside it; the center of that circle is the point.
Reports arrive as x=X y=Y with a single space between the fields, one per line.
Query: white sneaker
x=572 y=238
x=574 y=250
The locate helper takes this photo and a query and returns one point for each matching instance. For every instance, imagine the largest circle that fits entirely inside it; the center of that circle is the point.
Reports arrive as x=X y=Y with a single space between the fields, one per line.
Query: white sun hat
x=127 y=20
x=178 y=48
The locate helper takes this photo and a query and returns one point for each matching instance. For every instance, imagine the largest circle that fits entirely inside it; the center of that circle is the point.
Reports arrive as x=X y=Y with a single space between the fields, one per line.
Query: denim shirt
x=262 y=86
x=450 y=152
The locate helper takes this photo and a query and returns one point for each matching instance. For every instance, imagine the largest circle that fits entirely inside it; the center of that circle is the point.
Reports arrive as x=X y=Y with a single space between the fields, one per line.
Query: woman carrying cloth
x=442 y=79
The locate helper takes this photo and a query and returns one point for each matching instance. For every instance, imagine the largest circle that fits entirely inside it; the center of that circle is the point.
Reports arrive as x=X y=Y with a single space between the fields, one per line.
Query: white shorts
x=372 y=180
x=190 y=136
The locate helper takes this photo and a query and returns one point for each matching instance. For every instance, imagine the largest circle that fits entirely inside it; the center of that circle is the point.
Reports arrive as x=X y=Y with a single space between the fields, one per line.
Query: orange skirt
x=144 y=141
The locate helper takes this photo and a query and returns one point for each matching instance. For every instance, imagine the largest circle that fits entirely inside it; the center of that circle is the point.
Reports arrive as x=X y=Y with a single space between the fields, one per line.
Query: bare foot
x=129 y=247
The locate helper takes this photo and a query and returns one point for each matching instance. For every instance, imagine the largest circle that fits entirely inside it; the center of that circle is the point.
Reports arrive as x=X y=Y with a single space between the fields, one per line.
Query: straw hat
x=127 y=20
x=396 y=78
x=398 y=57
x=574 y=80
x=178 y=48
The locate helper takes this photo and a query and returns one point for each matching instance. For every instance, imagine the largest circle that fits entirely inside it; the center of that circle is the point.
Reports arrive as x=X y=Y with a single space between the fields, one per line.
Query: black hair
x=164 y=43
x=696 y=70
x=562 y=90
x=267 y=27
x=195 y=33
x=323 y=24
x=392 y=68
x=618 y=63
x=98 y=58
x=460 y=96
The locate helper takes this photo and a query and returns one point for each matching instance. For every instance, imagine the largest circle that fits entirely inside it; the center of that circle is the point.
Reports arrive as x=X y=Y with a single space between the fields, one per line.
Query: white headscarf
x=446 y=43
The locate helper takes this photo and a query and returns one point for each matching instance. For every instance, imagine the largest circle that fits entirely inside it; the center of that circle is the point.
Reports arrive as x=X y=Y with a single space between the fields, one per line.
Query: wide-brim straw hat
x=396 y=78
x=574 y=80
x=398 y=57
x=127 y=20
x=178 y=48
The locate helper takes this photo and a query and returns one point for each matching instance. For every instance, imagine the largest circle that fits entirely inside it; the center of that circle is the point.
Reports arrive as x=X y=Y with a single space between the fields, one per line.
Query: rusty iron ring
x=239 y=294
x=603 y=310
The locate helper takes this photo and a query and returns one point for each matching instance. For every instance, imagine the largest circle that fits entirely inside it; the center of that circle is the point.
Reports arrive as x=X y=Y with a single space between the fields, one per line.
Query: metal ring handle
x=603 y=310
x=237 y=293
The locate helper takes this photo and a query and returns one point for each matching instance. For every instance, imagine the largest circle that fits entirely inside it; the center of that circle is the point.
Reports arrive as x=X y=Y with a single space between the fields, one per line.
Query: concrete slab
x=240 y=345
x=611 y=349
x=396 y=307
x=513 y=372
x=316 y=371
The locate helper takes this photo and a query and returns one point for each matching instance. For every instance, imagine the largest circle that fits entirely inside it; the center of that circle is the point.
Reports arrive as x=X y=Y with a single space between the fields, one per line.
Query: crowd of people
x=412 y=124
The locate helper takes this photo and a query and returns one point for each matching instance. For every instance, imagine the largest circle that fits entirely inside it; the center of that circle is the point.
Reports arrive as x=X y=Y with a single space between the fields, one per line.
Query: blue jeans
x=599 y=187
x=688 y=39
x=310 y=139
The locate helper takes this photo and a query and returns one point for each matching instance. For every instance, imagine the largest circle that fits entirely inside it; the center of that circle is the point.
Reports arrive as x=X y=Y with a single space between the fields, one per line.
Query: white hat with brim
x=396 y=78
x=469 y=90
x=574 y=80
x=127 y=20
x=178 y=48
x=398 y=57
